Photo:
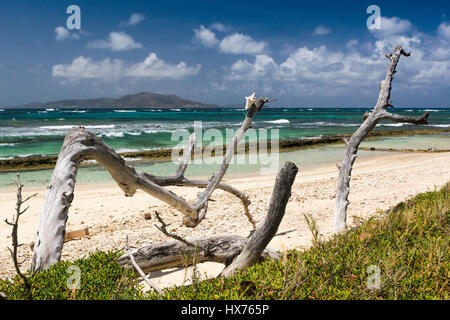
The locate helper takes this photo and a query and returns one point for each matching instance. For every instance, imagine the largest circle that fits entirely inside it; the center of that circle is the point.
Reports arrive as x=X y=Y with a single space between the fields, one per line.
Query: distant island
x=138 y=100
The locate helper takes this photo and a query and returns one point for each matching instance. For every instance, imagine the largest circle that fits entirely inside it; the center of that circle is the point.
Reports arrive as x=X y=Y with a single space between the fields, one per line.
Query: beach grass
x=408 y=246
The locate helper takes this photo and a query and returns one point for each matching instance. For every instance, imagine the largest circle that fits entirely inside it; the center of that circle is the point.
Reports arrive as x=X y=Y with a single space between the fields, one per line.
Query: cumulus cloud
x=218 y=26
x=205 y=36
x=117 y=41
x=321 y=30
x=134 y=19
x=238 y=43
x=444 y=30
x=357 y=66
x=114 y=69
x=392 y=26
x=63 y=34
x=153 y=67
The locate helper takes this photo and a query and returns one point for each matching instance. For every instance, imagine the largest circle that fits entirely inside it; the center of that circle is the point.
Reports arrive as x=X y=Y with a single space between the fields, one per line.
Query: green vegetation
x=410 y=244
x=100 y=278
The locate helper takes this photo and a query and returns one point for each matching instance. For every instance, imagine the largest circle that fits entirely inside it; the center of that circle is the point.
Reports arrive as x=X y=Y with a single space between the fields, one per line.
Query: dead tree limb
x=263 y=234
x=141 y=273
x=80 y=144
x=235 y=252
x=176 y=254
x=15 y=229
x=371 y=119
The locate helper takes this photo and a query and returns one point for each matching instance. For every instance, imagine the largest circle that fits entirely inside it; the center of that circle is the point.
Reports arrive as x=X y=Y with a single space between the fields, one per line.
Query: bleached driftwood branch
x=370 y=121
x=80 y=144
x=176 y=254
x=15 y=228
x=235 y=252
x=263 y=234
x=141 y=273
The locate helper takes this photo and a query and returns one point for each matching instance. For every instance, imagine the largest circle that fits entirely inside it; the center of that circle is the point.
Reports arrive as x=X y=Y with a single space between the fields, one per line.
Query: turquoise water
x=238 y=167
x=41 y=131
x=32 y=132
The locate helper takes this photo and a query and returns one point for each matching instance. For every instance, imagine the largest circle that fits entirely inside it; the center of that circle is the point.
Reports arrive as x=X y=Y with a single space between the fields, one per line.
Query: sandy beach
x=378 y=182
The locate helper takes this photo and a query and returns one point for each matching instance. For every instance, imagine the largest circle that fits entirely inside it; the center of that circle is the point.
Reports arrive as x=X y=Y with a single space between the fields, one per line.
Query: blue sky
x=304 y=53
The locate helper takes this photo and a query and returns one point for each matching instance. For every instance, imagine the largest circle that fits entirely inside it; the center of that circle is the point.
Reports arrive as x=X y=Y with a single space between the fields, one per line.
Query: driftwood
x=80 y=144
x=263 y=234
x=370 y=121
x=76 y=234
x=235 y=252
x=177 y=254
x=139 y=270
x=15 y=228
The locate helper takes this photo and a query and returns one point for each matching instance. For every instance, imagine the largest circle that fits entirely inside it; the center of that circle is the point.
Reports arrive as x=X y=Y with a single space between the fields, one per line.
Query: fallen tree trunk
x=235 y=252
x=371 y=119
x=176 y=254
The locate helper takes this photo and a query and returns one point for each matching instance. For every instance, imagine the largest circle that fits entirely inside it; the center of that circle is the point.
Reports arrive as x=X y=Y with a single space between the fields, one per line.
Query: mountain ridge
x=137 y=100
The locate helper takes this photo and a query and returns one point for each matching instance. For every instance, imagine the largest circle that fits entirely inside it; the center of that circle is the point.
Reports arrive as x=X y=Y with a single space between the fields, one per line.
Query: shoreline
x=162 y=155
x=378 y=183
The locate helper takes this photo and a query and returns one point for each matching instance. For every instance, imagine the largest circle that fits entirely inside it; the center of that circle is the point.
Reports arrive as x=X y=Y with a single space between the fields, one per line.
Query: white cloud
x=352 y=43
x=153 y=67
x=134 y=19
x=117 y=41
x=321 y=30
x=392 y=26
x=86 y=68
x=219 y=27
x=114 y=69
x=63 y=34
x=313 y=71
x=205 y=36
x=444 y=30
x=238 y=43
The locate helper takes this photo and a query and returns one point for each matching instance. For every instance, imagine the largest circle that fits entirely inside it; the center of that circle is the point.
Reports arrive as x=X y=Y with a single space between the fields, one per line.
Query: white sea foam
x=112 y=134
x=175 y=109
x=133 y=133
x=1 y=110
x=280 y=121
x=328 y=124
x=8 y=144
x=441 y=125
x=123 y=150
x=124 y=110
x=69 y=126
x=432 y=110
x=393 y=124
x=50 y=109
